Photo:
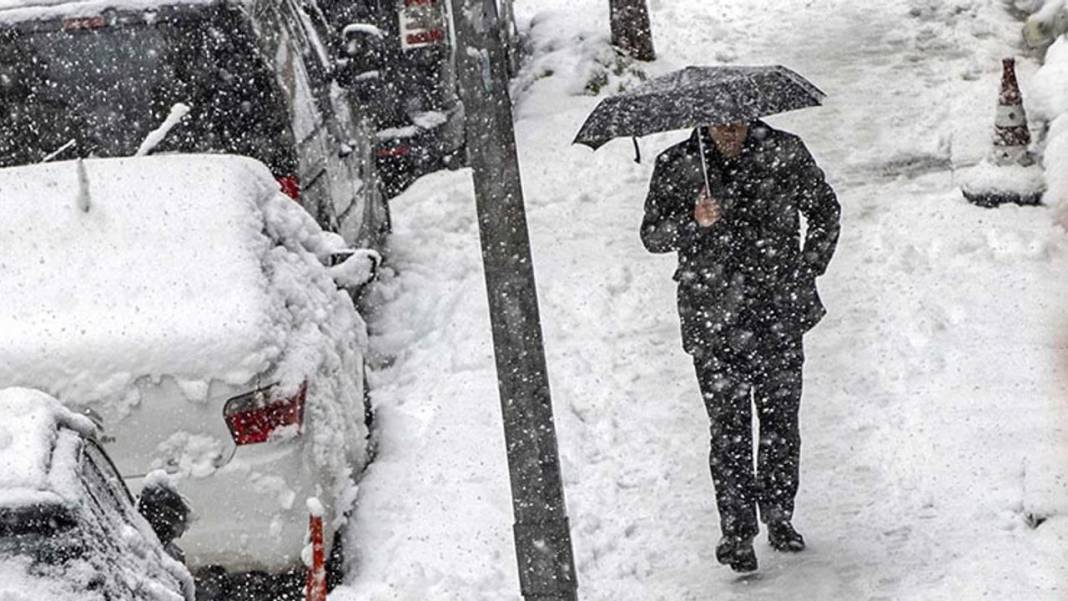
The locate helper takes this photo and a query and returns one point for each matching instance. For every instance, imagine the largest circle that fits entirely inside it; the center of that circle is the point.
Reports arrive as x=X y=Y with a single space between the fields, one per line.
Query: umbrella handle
x=704 y=167
x=637 y=151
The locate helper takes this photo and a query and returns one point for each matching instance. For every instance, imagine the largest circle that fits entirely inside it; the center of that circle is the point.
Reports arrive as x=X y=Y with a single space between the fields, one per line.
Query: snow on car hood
x=161 y=276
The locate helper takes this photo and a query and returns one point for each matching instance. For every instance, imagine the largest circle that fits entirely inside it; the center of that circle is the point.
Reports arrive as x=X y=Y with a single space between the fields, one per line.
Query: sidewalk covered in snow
x=934 y=456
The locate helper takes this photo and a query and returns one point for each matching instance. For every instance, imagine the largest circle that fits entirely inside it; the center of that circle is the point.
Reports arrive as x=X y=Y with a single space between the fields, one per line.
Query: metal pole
x=542 y=535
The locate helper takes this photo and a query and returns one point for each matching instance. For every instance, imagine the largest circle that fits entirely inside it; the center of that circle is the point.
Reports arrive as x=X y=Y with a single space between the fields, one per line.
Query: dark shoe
x=737 y=553
x=783 y=537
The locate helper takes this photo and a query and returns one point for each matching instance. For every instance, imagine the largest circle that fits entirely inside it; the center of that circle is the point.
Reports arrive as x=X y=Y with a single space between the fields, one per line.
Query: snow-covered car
x=68 y=527
x=95 y=79
x=186 y=302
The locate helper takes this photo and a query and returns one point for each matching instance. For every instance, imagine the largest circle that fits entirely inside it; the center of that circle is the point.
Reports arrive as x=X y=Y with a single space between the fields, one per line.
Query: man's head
x=729 y=137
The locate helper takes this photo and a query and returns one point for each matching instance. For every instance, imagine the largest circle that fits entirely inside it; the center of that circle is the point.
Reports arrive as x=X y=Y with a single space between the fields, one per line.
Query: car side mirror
x=354 y=268
x=165 y=510
x=362 y=59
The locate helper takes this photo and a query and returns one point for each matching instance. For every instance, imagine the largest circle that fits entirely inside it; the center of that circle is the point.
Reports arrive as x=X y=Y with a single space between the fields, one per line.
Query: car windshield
x=34 y=520
x=105 y=82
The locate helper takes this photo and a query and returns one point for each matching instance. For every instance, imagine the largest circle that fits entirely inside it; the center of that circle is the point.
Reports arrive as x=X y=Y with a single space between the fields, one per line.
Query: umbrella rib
x=767 y=101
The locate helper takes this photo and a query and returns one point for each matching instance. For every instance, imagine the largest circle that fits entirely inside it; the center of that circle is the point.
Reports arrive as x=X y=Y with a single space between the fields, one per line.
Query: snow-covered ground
x=933 y=418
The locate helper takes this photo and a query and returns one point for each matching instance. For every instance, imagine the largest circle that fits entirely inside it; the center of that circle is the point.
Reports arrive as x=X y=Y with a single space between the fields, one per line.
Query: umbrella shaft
x=704 y=167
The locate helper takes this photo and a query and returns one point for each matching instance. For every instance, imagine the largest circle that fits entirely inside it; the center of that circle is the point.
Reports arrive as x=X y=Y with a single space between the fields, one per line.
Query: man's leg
x=777 y=395
x=726 y=393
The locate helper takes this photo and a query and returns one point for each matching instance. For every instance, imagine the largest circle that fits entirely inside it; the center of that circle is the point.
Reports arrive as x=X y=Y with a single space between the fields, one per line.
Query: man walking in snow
x=728 y=201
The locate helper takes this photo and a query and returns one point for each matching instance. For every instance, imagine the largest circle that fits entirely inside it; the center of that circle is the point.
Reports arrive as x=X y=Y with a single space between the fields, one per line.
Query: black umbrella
x=695 y=97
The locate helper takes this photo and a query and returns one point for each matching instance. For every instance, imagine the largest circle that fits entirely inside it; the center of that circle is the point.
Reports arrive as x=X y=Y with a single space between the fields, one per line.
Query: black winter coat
x=748 y=272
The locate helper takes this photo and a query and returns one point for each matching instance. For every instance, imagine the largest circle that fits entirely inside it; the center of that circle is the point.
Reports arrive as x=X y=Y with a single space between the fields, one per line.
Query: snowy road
x=932 y=420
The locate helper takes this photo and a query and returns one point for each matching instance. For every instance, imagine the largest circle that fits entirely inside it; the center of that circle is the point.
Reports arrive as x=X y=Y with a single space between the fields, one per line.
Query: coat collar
x=758 y=132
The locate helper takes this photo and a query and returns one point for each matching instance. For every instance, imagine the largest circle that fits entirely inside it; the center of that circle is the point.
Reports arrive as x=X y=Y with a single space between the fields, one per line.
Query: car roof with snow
x=132 y=267
x=30 y=422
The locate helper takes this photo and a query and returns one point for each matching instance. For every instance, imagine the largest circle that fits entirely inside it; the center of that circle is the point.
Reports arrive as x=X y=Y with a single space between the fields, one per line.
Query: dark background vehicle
x=68 y=525
x=417 y=112
x=257 y=78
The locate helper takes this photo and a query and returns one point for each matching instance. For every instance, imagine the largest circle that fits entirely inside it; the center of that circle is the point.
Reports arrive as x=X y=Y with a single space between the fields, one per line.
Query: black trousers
x=765 y=372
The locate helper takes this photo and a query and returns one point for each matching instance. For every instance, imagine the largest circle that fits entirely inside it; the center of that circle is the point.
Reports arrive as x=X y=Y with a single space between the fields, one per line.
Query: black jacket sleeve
x=663 y=219
x=669 y=224
x=819 y=205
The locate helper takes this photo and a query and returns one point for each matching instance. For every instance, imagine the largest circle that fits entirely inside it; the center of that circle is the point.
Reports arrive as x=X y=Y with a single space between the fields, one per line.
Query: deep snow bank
x=1050 y=105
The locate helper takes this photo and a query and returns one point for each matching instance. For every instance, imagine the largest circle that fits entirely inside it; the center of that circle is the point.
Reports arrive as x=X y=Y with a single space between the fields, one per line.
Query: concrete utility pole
x=631 y=31
x=542 y=534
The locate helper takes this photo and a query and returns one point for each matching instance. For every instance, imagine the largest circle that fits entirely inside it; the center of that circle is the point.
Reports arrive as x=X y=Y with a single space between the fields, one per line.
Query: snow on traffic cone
x=1010 y=174
x=315 y=589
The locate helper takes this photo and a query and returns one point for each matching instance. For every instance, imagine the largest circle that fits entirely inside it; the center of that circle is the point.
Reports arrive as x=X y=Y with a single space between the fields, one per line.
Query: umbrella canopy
x=695 y=97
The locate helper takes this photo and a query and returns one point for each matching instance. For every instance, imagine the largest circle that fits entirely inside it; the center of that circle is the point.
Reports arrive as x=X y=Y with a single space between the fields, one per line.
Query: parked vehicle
x=68 y=527
x=419 y=116
x=187 y=303
x=80 y=80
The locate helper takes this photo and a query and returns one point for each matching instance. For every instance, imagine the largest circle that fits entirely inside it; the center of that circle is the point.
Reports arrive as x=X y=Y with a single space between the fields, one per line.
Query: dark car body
x=418 y=114
x=258 y=79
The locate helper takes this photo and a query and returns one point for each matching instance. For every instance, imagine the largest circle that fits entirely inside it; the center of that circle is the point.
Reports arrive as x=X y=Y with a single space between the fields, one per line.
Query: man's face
x=731 y=135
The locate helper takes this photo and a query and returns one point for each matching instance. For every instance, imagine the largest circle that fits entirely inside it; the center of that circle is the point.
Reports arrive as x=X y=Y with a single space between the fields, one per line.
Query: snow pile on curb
x=987 y=177
x=1050 y=104
x=578 y=63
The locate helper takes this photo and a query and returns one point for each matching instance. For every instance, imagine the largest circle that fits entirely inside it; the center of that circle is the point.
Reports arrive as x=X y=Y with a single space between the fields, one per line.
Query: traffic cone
x=1010 y=174
x=315 y=589
x=1011 y=136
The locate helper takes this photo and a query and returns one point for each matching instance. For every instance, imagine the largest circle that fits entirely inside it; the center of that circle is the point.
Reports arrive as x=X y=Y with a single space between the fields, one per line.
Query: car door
x=309 y=124
x=351 y=167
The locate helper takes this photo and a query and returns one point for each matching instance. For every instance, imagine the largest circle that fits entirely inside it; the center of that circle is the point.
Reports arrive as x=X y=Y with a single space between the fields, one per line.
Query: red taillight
x=430 y=36
x=290 y=186
x=82 y=23
x=422 y=23
x=253 y=416
x=386 y=152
